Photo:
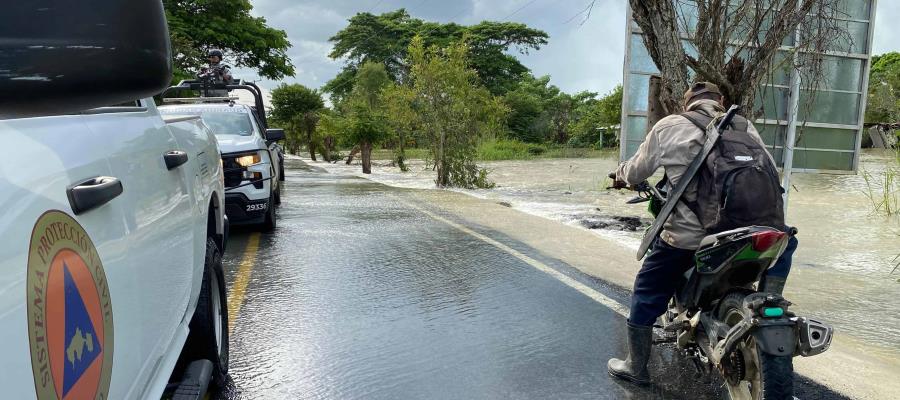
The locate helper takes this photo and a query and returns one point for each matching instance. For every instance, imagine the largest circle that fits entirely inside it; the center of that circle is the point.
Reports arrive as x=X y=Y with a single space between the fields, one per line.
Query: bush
x=509 y=150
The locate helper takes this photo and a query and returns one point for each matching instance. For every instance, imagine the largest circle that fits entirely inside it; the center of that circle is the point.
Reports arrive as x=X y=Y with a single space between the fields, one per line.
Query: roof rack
x=178 y=100
x=203 y=87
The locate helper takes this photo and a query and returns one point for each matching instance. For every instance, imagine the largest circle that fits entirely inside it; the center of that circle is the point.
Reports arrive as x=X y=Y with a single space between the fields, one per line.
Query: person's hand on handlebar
x=617 y=184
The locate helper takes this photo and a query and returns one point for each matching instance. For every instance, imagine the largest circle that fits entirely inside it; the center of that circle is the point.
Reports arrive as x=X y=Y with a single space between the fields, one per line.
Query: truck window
x=228 y=123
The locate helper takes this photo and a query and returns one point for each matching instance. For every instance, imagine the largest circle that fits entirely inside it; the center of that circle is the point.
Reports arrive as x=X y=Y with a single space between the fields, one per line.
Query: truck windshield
x=228 y=123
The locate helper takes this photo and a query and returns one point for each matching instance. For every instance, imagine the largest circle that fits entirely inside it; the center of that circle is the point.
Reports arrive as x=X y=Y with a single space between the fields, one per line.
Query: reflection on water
x=842 y=270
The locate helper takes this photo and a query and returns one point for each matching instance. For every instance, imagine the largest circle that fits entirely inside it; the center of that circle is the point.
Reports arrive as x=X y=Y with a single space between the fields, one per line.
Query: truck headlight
x=248 y=160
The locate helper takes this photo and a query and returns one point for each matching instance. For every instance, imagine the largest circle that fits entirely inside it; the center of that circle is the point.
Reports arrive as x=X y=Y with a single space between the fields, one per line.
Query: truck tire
x=270 y=223
x=209 y=326
x=767 y=377
x=278 y=195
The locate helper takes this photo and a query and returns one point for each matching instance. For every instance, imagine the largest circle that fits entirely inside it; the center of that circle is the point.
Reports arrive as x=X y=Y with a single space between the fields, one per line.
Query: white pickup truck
x=112 y=216
x=254 y=172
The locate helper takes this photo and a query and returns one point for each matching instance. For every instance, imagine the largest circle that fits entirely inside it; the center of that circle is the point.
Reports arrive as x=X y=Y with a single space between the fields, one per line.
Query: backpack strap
x=702 y=121
x=699 y=119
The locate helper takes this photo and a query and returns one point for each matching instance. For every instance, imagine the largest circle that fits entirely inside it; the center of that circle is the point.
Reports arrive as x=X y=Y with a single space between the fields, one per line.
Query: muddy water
x=842 y=270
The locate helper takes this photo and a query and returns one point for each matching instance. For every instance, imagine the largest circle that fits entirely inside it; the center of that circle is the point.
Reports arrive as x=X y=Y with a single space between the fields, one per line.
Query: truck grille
x=233 y=171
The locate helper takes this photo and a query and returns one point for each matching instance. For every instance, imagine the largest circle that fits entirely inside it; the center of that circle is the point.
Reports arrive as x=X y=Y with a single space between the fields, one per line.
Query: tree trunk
x=443 y=175
x=353 y=153
x=327 y=147
x=312 y=147
x=366 y=150
x=659 y=22
x=401 y=155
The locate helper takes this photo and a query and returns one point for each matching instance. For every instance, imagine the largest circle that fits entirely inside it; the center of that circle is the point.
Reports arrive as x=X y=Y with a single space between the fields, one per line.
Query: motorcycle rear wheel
x=764 y=377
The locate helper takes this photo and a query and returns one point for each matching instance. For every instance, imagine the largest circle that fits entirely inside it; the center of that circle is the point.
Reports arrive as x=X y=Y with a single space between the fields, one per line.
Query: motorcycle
x=721 y=320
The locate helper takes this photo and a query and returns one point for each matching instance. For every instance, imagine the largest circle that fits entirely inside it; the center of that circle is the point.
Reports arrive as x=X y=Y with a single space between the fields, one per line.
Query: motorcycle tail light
x=762 y=241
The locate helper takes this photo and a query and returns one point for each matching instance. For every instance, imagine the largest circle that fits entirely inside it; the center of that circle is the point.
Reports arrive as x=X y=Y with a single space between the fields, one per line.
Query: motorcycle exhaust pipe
x=815 y=337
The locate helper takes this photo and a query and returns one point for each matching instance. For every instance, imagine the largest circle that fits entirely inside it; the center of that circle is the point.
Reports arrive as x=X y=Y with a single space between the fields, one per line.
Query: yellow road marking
x=565 y=279
x=242 y=279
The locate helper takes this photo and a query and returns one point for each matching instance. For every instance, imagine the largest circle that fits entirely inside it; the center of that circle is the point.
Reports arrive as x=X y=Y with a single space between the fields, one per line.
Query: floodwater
x=842 y=271
x=359 y=294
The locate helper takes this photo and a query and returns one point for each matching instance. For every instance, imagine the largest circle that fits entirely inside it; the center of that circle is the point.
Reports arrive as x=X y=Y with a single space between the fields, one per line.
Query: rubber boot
x=774 y=285
x=634 y=367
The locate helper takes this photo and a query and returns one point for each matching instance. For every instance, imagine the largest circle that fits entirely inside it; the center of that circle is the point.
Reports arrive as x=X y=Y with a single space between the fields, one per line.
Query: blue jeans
x=662 y=271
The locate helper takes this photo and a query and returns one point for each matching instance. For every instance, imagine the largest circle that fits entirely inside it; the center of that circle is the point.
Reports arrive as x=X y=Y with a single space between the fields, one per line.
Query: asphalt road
x=363 y=293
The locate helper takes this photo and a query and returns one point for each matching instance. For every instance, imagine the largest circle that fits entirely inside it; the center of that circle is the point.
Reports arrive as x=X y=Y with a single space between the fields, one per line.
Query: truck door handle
x=93 y=193
x=175 y=159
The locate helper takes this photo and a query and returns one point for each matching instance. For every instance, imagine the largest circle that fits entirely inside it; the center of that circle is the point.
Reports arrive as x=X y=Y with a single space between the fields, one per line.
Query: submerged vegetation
x=883 y=189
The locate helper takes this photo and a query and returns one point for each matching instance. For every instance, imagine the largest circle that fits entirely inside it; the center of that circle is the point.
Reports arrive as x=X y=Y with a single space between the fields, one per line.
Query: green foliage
x=596 y=121
x=360 y=119
x=385 y=39
x=366 y=126
x=541 y=113
x=296 y=108
x=197 y=25
x=371 y=78
x=289 y=101
x=400 y=106
x=884 y=89
x=453 y=112
x=536 y=109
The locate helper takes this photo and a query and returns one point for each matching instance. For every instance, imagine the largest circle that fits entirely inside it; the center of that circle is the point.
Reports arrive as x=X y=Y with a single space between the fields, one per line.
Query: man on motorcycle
x=672 y=144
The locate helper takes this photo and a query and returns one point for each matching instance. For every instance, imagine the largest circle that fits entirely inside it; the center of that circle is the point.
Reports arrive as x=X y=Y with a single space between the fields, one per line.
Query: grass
x=883 y=190
x=498 y=150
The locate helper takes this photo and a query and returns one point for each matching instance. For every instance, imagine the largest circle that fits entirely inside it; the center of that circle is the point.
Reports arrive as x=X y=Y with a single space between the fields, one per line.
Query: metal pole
x=788 y=164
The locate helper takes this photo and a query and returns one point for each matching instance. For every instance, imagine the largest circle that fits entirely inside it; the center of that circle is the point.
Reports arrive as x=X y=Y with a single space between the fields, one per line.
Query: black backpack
x=737 y=185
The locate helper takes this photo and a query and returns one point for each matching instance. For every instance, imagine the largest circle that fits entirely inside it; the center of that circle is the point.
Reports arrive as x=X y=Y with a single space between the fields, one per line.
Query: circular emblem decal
x=70 y=325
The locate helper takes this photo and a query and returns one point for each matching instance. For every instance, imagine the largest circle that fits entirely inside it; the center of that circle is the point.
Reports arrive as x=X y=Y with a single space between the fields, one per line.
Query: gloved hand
x=617 y=184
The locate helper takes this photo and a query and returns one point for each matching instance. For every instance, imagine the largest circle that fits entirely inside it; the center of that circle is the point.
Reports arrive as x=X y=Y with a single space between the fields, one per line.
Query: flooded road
x=842 y=270
x=364 y=293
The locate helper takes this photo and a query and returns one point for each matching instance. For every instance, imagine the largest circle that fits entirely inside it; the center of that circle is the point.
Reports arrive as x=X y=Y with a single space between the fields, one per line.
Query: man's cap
x=700 y=88
x=214 y=53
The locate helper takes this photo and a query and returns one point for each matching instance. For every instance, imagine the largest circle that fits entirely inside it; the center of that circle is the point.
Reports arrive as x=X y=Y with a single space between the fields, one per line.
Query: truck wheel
x=209 y=326
x=278 y=195
x=269 y=223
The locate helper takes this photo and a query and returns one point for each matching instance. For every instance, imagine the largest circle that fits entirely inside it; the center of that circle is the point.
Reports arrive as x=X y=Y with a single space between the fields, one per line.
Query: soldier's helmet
x=215 y=53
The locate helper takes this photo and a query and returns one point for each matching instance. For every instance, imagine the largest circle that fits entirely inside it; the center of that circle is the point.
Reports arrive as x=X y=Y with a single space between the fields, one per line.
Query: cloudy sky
x=579 y=56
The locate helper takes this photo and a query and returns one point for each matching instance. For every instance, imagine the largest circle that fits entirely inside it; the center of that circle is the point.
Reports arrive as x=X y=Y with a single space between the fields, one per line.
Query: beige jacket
x=672 y=144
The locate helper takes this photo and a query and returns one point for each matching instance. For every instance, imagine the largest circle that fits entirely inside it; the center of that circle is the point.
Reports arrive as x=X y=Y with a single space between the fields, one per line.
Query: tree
x=595 y=120
x=452 y=109
x=884 y=89
x=198 y=25
x=365 y=110
x=536 y=109
x=297 y=108
x=735 y=43
x=385 y=39
x=400 y=106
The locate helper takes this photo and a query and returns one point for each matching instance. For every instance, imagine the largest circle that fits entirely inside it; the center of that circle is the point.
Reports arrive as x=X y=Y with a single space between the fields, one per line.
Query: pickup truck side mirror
x=274 y=135
x=63 y=56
